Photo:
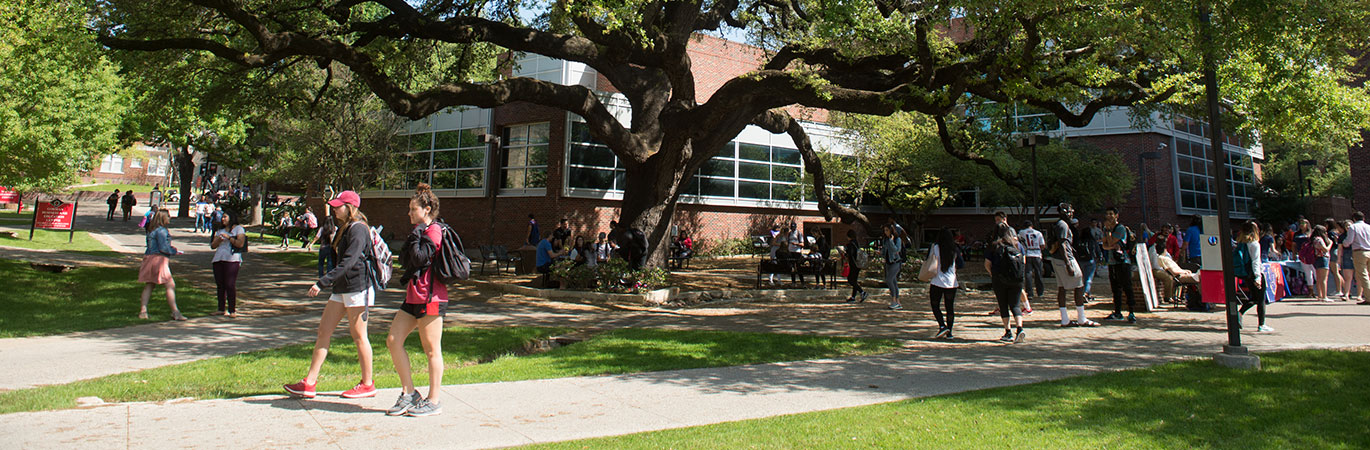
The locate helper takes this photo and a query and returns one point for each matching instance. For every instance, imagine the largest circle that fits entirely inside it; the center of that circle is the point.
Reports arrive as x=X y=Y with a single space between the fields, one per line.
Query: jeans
x=940 y=296
x=326 y=262
x=892 y=278
x=1120 y=277
x=1032 y=277
x=201 y=223
x=226 y=279
x=1088 y=267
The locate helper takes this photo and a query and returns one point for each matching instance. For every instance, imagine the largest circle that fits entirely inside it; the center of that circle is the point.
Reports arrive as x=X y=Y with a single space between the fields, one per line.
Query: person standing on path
x=1322 y=247
x=228 y=244
x=156 y=267
x=216 y=218
x=1246 y=266
x=424 y=307
x=1032 y=241
x=1004 y=261
x=1088 y=253
x=892 y=250
x=310 y=224
x=1348 y=264
x=1334 y=233
x=113 y=202
x=851 y=253
x=1117 y=245
x=353 y=293
x=127 y=203
x=1192 y=241
x=942 y=287
x=1061 y=247
x=201 y=216
x=325 y=238
x=1357 y=240
x=154 y=198
x=534 y=235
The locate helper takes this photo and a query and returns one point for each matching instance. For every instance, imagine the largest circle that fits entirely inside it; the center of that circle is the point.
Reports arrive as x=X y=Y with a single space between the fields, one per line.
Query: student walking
x=892 y=249
x=1032 y=241
x=156 y=267
x=113 y=202
x=1117 y=245
x=127 y=203
x=310 y=225
x=353 y=293
x=325 y=238
x=1246 y=266
x=1061 y=247
x=853 y=253
x=228 y=243
x=201 y=214
x=1005 y=262
x=942 y=287
x=424 y=307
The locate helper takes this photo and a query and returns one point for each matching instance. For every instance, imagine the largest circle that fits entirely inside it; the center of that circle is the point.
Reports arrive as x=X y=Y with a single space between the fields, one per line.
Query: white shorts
x=355 y=299
x=1064 y=278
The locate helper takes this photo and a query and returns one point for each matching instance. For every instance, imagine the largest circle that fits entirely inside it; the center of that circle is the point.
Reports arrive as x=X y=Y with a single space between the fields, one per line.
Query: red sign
x=54 y=215
x=8 y=196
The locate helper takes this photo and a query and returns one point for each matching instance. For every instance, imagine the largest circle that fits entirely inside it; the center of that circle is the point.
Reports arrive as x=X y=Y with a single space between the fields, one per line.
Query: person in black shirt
x=113 y=202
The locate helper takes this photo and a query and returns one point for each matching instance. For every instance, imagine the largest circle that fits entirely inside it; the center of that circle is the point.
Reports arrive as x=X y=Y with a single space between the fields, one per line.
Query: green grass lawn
x=37 y=303
x=620 y=351
x=307 y=260
x=1302 y=399
x=57 y=240
x=11 y=216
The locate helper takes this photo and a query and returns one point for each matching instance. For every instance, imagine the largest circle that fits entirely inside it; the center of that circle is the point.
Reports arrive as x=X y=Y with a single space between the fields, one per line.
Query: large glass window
x=1196 y=187
x=524 y=159
x=112 y=164
x=590 y=163
x=453 y=159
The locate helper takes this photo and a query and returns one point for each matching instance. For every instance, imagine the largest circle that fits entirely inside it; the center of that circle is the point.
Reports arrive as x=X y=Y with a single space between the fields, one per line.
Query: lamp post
x=1141 y=167
x=1031 y=142
x=1302 y=191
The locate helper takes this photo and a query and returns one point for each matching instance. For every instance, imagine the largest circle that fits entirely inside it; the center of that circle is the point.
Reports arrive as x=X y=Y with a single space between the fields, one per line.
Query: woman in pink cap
x=352 y=294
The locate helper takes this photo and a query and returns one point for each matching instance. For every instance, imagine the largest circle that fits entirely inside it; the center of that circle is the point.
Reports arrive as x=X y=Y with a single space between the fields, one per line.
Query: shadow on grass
x=83 y=299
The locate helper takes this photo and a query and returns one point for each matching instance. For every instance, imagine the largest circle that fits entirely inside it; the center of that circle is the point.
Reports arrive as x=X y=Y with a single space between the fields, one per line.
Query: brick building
x=145 y=164
x=548 y=165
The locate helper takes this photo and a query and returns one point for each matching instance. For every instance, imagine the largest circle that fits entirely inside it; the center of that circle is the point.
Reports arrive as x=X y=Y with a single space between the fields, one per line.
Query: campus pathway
x=514 y=413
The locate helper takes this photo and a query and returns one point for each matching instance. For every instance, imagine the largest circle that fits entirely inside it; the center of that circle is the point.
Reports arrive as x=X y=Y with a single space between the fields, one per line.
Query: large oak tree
x=1072 y=58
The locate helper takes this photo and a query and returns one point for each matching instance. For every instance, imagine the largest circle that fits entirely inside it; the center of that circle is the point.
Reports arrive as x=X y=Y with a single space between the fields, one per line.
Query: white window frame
x=505 y=146
x=107 y=165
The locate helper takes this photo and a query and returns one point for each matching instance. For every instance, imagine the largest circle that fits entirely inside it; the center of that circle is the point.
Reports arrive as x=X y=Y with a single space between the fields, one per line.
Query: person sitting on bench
x=1171 y=274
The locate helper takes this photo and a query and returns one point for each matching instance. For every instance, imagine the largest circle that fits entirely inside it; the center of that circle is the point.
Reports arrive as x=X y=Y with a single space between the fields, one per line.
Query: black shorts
x=419 y=310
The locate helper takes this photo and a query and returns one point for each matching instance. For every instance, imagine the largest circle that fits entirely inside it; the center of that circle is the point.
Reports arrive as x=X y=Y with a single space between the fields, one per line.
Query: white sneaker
x=1264 y=329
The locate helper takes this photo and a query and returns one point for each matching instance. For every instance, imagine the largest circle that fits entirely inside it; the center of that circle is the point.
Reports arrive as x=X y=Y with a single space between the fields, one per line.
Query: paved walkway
x=514 y=413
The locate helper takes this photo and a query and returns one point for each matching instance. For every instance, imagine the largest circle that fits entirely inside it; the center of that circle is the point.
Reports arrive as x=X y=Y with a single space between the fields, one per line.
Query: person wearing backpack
x=228 y=243
x=942 y=286
x=424 y=307
x=353 y=291
x=113 y=202
x=1246 y=266
x=127 y=203
x=1118 y=245
x=857 y=259
x=1061 y=248
x=891 y=249
x=1005 y=263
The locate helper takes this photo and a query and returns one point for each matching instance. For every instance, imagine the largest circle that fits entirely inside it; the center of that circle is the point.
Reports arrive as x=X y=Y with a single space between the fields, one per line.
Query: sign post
x=55 y=215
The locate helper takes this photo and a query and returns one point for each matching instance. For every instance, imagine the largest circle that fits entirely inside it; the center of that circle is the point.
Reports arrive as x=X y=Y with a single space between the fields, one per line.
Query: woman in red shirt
x=425 y=305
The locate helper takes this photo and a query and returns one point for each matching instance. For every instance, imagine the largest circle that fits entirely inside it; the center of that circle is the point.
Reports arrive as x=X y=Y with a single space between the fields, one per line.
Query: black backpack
x=1008 y=264
x=450 y=264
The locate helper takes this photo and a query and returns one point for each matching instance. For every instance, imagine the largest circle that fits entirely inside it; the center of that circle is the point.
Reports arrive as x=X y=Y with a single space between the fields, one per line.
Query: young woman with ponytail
x=425 y=305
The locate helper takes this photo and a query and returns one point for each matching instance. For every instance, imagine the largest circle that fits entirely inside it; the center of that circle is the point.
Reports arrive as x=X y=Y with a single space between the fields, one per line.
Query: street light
x=1031 y=142
x=1141 y=166
x=1306 y=162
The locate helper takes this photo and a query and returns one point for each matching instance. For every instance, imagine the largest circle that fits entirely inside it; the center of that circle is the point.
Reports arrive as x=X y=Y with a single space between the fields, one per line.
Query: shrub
x=726 y=247
x=613 y=276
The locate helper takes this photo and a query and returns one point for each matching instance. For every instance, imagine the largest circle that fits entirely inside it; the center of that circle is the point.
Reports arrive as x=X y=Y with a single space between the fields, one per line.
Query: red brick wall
x=133 y=175
x=1160 y=182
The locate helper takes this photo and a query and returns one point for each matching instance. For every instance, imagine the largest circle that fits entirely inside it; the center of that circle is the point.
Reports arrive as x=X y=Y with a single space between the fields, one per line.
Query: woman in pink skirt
x=156 y=268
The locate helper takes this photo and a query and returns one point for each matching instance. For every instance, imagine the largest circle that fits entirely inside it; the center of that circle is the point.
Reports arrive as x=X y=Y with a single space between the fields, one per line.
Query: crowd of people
x=621 y=242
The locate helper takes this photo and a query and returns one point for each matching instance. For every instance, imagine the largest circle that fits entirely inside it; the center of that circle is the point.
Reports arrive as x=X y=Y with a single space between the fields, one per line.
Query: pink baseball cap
x=347 y=197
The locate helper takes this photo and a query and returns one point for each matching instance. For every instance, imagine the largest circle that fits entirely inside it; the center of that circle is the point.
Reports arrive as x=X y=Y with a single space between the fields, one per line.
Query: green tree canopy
x=61 y=100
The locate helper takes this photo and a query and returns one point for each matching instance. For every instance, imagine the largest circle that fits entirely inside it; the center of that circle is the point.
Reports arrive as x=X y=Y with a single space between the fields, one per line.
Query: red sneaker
x=360 y=391
x=301 y=389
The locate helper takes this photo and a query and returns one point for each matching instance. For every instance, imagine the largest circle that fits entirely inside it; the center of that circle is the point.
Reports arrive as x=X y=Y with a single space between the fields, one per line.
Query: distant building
x=146 y=164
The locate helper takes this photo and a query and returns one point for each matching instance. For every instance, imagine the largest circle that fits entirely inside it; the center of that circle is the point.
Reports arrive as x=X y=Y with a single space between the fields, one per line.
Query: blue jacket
x=159 y=242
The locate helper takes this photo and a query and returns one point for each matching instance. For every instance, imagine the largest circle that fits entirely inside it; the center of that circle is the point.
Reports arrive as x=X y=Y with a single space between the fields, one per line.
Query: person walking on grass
x=851 y=253
x=424 y=307
x=353 y=293
x=1061 y=248
x=1117 y=245
x=156 y=267
x=228 y=244
x=892 y=250
x=942 y=287
x=1246 y=266
x=1005 y=262
x=113 y=202
x=127 y=203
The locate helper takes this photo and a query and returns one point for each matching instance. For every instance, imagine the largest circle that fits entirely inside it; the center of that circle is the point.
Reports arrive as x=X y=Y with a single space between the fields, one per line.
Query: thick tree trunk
x=650 y=199
x=257 y=191
x=185 y=169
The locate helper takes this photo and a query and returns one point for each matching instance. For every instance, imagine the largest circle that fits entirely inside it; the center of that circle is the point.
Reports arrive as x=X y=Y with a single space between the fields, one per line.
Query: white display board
x=1146 y=276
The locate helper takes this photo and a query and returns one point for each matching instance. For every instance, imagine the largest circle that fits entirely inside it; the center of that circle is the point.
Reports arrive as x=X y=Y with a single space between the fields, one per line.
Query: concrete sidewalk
x=514 y=413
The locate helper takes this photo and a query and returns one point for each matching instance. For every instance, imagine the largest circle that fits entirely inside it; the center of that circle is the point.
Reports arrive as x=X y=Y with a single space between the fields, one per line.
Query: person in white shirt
x=1357 y=240
x=1032 y=241
x=228 y=243
x=942 y=288
x=1169 y=272
x=1248 y=270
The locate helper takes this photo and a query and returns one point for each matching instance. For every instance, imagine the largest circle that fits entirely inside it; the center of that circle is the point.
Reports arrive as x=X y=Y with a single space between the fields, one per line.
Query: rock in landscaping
x=89 y=401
